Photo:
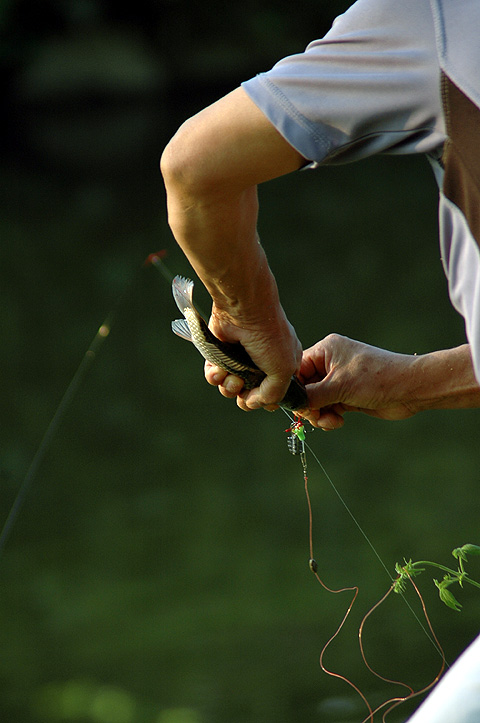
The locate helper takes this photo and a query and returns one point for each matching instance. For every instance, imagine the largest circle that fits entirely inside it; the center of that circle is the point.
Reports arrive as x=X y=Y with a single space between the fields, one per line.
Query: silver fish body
x=233 y=358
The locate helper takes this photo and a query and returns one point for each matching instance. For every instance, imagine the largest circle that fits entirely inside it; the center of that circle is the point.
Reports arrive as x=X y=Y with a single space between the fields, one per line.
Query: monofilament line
x=357 y=524
x=367 y=539
x=347 y=508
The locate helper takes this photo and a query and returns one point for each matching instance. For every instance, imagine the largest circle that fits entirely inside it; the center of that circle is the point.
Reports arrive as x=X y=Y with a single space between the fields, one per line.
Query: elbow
x=185 y=170
x=173 y=165
x=185 y=164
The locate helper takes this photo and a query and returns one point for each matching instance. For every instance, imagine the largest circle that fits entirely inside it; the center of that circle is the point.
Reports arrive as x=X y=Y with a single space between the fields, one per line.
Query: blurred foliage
x=158 y=571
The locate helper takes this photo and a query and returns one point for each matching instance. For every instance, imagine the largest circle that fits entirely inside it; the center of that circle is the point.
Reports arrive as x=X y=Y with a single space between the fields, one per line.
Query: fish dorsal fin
x=182 y=289
x=181 y=328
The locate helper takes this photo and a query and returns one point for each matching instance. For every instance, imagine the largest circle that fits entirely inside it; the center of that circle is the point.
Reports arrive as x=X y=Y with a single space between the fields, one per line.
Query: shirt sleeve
x=371 y=85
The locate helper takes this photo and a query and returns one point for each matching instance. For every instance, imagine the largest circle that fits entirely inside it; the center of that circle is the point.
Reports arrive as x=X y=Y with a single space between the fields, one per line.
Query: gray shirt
x=373 y=85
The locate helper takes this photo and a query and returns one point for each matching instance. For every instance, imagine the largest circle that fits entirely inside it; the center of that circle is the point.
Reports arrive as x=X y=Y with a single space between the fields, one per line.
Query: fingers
x=313 y=364
x=328 y=419
x=228 y=384
x=267 y=395
x=214 y=375
x=231 y=386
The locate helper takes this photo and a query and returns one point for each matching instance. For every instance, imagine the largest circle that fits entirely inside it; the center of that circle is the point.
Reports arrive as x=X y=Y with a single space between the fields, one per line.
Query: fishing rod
x=66 y=401
x=52 y=429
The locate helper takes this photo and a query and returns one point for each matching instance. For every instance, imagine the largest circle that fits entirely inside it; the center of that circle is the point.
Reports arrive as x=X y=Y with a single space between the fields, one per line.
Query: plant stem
x=459 y=574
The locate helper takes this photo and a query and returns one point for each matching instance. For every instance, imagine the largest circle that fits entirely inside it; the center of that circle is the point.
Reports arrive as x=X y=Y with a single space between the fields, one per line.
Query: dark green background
x=158 y=571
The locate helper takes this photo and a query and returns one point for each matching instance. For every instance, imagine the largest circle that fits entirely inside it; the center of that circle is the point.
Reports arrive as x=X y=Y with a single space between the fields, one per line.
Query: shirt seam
x=330 y=153
x=296 y=116
x=403 y=132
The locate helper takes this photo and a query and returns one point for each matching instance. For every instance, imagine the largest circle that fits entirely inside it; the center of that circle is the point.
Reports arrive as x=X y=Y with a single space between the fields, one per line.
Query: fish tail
x=183 y=293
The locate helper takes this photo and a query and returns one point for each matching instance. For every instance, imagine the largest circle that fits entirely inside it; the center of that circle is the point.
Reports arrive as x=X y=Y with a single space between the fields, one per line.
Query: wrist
x=246 y=296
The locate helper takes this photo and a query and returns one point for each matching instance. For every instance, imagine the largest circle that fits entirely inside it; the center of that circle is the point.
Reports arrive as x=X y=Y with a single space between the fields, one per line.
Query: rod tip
x=155 y=257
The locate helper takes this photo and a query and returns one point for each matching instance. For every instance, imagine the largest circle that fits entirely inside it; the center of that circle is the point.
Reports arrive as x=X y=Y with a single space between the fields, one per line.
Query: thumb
x=324 y=393
x=324 y=409
x=271 y=391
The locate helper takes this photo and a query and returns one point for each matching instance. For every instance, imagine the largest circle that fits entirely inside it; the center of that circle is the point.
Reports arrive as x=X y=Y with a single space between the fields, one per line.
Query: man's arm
x=211 y=169
x=343 y=375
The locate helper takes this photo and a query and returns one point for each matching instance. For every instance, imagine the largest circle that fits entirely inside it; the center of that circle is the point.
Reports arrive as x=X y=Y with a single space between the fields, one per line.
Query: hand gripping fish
x=231 y=357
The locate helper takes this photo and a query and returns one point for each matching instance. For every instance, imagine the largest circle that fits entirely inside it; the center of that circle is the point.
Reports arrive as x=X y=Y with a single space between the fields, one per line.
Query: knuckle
x=333 y=338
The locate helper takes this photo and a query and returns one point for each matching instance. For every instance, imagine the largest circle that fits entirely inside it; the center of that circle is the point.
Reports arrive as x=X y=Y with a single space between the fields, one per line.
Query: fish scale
x=233 y=358
x=202 y=338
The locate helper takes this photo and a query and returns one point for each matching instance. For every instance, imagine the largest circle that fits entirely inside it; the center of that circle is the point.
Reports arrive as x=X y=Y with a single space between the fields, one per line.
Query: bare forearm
x=217 y=231
x=445 y=380
x=344 y=375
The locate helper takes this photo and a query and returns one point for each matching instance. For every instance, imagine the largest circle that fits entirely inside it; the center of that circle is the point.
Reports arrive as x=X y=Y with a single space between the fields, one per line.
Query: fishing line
x=377 y=555
x=297 y=445
x=431 y=637
x=358 y=525
x=347 y=508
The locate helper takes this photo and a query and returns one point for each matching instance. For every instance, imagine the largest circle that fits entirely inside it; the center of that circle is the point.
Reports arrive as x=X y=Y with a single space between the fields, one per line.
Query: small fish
x=231 y=357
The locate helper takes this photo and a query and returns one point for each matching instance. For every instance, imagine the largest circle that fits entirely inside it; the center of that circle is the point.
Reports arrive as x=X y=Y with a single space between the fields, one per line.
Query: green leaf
x=446 y=596
x=461 y=552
